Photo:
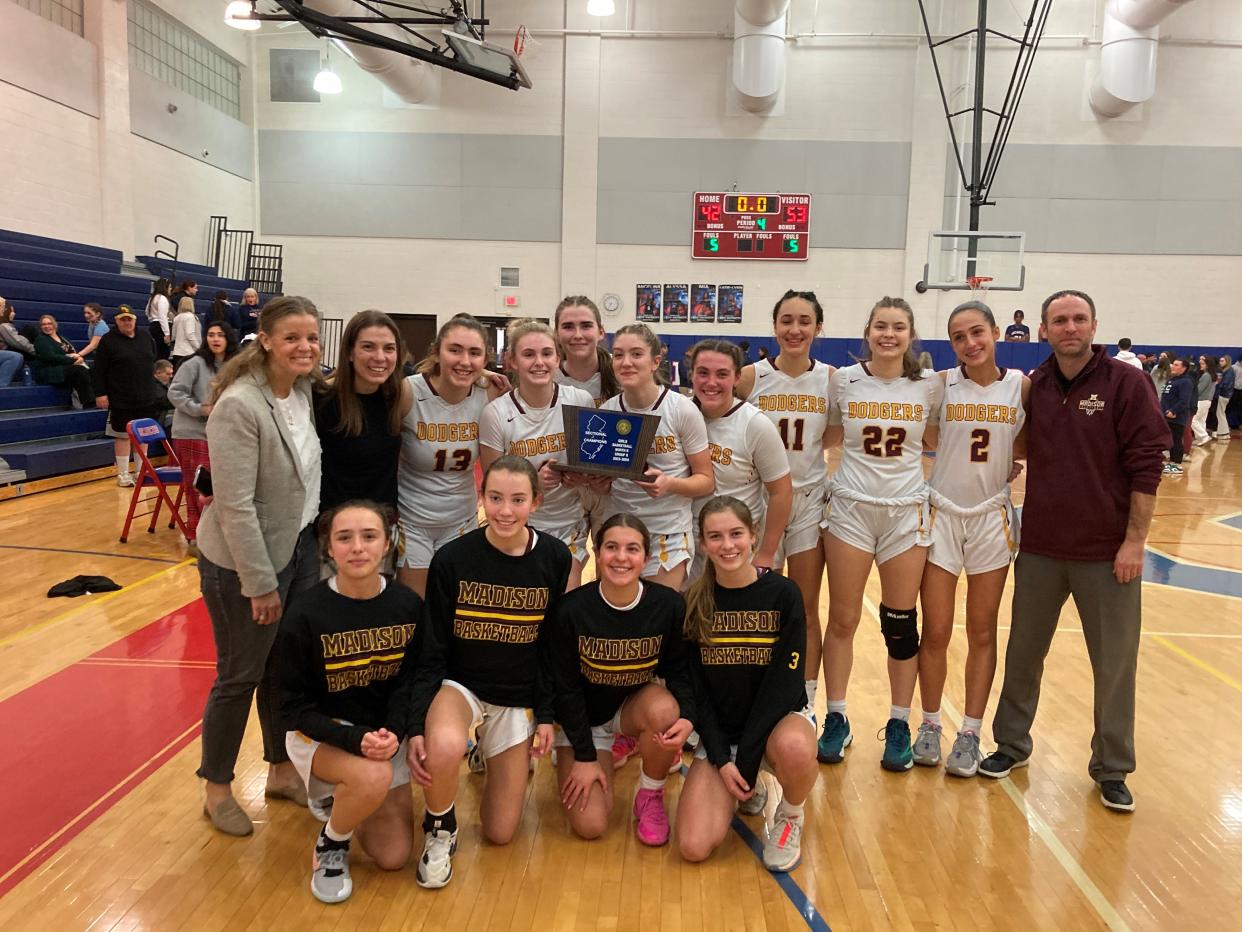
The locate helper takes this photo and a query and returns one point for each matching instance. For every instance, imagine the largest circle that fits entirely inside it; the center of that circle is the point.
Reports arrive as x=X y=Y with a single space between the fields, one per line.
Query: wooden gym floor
x=100 y=701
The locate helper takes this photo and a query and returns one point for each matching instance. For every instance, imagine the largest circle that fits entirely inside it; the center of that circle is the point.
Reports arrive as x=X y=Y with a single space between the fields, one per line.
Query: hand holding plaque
x=607 y=443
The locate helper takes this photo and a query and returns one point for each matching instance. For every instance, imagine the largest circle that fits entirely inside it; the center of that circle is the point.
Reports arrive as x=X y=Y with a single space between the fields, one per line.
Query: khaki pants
x=1111 y=621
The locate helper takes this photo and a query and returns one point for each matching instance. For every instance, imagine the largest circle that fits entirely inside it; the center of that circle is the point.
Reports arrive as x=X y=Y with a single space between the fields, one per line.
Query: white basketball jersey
x=439 y=447
x=510 y=425
x=884 y=421
x=978 y=426
x=747 y=453
x=594 y=386
x=798 y=406
x=681 y=433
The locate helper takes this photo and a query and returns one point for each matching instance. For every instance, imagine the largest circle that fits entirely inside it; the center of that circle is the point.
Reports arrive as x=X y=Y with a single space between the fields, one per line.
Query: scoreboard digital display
x=728 y=225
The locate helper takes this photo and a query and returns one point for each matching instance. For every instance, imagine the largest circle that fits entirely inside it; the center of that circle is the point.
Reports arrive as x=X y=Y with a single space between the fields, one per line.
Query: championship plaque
x=608 y=443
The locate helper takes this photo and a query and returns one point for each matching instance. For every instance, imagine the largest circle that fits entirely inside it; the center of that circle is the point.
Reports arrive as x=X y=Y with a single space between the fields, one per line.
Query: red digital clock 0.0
x=730 y=225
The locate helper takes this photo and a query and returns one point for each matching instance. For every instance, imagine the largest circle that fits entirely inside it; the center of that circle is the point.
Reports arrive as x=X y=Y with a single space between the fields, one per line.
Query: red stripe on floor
x=80 y=740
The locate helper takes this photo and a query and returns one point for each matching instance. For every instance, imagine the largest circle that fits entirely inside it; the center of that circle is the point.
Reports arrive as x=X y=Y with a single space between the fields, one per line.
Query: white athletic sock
x=899 y=712
x=785 y=807
x=336 y=836
x=933 y=717
x=972 y=724
x=836 y=705
x=122 y=465
x=650 y=783
x=812 y=687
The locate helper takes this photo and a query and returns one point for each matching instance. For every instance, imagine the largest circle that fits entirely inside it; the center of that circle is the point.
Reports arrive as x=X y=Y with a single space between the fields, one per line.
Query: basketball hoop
x=979 y=286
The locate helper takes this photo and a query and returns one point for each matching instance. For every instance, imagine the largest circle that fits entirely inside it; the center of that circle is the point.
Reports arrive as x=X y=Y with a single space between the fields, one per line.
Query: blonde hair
x=701 y=596
x=524 y=327
x=185 y=306
x=430 y=364
x=253 y=359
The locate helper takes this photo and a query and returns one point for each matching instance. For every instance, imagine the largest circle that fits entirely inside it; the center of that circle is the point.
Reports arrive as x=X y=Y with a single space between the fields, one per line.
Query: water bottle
x=27 y=376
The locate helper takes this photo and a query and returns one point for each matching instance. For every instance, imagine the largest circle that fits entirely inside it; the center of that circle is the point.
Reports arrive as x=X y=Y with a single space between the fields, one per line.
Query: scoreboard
x=729 y=225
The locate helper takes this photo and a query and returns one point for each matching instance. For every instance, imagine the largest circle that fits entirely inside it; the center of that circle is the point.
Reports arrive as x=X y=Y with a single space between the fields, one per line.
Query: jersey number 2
x=878 y=442
x=979 y=440
x=461 y=461
x=783 y=426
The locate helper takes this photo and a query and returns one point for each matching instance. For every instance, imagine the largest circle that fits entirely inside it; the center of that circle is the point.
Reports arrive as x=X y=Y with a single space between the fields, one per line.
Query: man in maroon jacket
x=1095 y=436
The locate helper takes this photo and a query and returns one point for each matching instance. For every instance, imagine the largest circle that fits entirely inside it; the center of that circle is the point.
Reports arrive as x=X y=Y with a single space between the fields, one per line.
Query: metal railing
x=235 y=254
x=330 y=330
x=160 y=253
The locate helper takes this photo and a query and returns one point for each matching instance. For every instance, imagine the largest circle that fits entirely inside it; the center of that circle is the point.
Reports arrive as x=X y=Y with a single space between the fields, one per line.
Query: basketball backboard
x=954 y=256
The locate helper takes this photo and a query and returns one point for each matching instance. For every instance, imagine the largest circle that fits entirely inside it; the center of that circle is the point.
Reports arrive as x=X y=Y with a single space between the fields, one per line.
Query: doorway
x=418 y=331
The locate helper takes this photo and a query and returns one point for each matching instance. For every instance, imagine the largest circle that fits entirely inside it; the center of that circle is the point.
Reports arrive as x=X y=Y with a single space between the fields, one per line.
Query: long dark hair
x=342 y=386
x=231 y=345
x=648 y=336
x=429 y=365
x=161 y=286
x=220 y=306
x=608 y=386
x=910 y=368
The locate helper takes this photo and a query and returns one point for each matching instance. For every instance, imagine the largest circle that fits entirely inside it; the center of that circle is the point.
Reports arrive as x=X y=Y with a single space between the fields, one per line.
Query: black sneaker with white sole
x=1114 y=795
x=998 y=764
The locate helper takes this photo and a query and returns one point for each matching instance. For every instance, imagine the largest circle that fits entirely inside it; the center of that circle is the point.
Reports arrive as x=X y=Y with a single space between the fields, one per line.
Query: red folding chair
x=142 y=432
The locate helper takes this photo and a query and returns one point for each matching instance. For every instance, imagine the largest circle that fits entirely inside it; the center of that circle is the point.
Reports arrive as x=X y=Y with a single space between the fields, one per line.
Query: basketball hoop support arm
x=983 y=168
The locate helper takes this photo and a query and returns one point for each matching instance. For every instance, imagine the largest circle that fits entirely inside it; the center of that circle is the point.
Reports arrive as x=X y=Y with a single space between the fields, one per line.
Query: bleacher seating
x=40 y=434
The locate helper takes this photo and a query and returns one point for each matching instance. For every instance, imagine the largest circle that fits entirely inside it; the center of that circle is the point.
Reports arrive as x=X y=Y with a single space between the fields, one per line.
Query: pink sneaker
x=623 y=748
x=652 y=819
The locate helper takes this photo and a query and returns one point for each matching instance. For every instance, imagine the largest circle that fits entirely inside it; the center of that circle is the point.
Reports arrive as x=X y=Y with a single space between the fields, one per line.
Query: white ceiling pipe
x=410 y=79
x=759 y=52
x=1127 y=75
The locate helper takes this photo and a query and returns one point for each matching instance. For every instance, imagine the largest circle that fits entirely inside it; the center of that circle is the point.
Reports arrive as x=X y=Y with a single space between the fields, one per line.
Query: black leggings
x=78 y=379
x=1178 y=432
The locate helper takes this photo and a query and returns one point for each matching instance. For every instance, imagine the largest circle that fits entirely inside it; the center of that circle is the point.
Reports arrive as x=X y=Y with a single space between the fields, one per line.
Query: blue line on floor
x=89 y=553
x=1233 y=521
x=802 y=903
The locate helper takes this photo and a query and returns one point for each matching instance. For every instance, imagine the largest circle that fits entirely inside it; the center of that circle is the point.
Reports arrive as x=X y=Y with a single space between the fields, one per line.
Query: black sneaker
x=997 y=765
x=1115 y=796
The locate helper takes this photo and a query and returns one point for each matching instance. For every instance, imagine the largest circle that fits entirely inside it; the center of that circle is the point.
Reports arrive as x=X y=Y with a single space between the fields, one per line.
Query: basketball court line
x=1201 y=664
x=1167 y=634
x=88 y=553
x=1086 y=886
x=63 y=616
x=1103 y=908
x=794 y=893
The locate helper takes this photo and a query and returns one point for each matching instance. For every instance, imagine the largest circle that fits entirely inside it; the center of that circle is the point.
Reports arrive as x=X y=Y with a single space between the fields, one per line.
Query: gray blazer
x=255 y=516
x=189 y=390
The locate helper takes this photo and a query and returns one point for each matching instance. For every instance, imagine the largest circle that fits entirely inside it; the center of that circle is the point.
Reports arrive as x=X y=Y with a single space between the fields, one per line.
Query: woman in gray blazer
x=190 y=395
x=256 y=542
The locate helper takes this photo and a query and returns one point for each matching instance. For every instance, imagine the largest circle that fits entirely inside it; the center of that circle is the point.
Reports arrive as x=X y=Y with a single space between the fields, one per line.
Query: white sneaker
x=125 y=480
x=783 y=849
x=759 y=799
x=435 y=867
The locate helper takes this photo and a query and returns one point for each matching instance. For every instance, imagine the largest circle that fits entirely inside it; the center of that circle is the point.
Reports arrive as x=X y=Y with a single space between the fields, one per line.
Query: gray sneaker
x=782 y=850
x=965 y=757
x=927 y=745
x=754 y=805
x=330 y=881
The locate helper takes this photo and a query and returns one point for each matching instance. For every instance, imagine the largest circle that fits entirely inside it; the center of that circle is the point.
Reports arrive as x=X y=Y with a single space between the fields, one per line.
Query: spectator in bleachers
x=92 y=313
x=223 y=310
x=123 y=384
x=159 y=322
x=58 y=363
x=249 y=312
x=163 y=376
x=190 y=394
x=187 y=332
x=12 y=344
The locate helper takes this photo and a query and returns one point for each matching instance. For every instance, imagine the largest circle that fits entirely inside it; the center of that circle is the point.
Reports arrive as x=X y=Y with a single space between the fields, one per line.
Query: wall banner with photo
x=703 y=310
x=676 y=304
x=729 y=304
x=647 y=302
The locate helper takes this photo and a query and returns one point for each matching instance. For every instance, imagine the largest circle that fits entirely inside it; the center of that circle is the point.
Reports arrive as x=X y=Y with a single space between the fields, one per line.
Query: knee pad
x=901 y=632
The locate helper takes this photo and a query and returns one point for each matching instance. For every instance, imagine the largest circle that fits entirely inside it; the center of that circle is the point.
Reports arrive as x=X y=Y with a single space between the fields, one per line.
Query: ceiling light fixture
x=237 y=15
x=601 y=7
x=327 y=81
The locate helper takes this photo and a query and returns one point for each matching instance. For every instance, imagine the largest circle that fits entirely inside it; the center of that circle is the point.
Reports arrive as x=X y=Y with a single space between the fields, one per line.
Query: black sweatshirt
x=342 y=659
x=599 y=655
x=483 y=624
x=751 y=675
x=124 y=369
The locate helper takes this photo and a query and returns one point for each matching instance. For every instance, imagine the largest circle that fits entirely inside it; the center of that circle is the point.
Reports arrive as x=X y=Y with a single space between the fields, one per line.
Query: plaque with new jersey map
x=608 y=443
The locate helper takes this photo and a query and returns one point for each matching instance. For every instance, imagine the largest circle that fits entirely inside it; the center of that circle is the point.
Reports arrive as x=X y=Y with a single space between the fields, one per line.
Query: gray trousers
x=246 y=661
x=1111 y=621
